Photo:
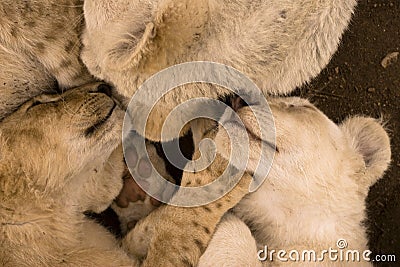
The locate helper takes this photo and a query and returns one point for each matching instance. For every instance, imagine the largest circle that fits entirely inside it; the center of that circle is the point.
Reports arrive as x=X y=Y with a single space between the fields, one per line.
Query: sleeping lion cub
x=314 y=194
x=278 y=44
x=59 y=157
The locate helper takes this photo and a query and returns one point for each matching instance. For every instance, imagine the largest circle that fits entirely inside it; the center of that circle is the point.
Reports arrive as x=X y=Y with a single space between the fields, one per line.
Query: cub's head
x=53 y=138
x=127 y=42
x=310 y=147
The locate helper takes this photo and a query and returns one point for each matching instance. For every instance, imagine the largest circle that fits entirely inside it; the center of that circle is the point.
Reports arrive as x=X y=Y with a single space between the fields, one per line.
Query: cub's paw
x=247 y=139
x=103 y=184
x=133 y=203
x=137 y=241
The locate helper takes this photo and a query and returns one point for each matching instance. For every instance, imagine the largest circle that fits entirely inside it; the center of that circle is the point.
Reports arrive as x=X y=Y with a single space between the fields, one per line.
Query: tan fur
x=137 y=210
x=39 y=47
x=54 y=166
x=231 y=245
x=315 y=192
x=51 y=170
x=278 y=44
x=178 y=236
x=313 y=196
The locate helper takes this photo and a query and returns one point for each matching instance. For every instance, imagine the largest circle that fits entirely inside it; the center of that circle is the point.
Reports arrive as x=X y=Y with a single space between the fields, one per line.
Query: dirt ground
x=355 y=82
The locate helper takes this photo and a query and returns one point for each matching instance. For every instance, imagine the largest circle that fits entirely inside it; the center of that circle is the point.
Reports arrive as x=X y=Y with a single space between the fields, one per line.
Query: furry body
x=42 y=220
x=43 y=201
x=278 y=44
x=315 y=192
x=39 y=49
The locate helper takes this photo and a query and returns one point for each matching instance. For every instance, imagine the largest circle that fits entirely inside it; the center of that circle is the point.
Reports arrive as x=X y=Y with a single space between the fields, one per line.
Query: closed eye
x=295 y=108
x=35 y=103
x=44 y=99
x=310 y=107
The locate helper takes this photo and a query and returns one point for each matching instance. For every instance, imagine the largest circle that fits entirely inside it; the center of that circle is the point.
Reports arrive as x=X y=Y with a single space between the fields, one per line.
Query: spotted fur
x=39 y=49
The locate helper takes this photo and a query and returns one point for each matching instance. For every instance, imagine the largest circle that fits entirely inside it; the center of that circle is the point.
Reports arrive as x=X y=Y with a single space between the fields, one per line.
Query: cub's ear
x=369 y=138
x=175 y=26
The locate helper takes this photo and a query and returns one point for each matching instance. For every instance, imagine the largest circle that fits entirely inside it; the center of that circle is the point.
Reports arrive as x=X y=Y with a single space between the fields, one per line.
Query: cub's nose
x=105 y=89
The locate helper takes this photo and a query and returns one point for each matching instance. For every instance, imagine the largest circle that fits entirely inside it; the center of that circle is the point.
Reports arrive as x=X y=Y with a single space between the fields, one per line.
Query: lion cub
x=314 y=195
x=278 y=44
x=60 y=156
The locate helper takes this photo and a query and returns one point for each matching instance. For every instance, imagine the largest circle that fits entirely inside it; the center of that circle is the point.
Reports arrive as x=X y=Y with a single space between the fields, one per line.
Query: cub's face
x=54 y=137
x=309 y=146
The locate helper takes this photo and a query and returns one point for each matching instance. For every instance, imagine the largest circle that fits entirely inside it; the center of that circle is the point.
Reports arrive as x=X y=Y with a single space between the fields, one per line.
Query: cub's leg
x=231 y=245
x=178 y=236
x=133 y=204
x=98 y=248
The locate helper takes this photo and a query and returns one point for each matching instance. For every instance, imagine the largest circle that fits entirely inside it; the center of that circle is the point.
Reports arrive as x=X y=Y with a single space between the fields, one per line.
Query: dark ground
x=355 y=82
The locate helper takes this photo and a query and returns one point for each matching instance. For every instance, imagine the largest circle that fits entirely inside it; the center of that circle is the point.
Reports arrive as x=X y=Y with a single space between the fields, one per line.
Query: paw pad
x=146 y=167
